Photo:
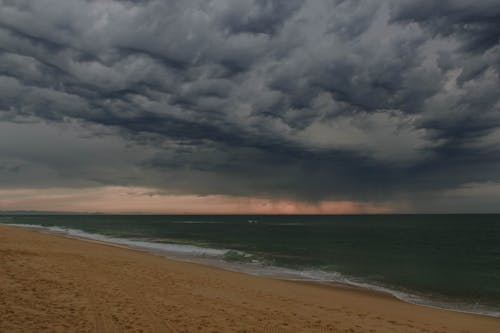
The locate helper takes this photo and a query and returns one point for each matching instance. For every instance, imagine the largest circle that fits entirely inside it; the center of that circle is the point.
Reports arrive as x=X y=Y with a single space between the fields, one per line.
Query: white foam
x=182 y=249
x=338 y=278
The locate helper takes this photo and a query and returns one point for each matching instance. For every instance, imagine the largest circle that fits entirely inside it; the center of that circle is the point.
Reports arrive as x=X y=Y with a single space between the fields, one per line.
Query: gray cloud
x=313 y=100
x=476 y=23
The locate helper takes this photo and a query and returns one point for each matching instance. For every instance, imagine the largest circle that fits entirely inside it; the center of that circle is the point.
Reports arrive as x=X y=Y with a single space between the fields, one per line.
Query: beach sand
x=52 y=283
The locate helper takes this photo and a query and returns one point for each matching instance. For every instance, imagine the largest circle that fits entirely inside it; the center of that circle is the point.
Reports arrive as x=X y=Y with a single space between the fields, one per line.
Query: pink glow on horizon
x=117 y=199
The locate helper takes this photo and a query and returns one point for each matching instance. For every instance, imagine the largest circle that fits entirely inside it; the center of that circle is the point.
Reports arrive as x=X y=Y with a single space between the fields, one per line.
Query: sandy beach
x=51 y=283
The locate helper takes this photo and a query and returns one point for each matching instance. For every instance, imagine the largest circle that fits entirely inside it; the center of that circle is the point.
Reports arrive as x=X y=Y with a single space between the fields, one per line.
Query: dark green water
x=444 y=259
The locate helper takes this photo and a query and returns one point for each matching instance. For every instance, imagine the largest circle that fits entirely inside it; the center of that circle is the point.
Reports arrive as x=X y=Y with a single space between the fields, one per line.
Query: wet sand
x=51 y=283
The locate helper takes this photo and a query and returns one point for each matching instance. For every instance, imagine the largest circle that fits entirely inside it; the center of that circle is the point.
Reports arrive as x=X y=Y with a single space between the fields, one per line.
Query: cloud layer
x=310 y=100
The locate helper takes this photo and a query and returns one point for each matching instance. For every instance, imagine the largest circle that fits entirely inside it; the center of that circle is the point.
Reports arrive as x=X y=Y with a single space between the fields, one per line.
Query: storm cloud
x=310 y=100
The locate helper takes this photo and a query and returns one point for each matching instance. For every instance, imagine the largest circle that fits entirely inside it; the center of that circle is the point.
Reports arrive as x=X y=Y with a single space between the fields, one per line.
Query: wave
x=238 y=261
x=179 y=249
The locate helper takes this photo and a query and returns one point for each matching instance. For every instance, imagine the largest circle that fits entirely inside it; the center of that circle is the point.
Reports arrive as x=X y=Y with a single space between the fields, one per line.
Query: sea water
x=446 y=261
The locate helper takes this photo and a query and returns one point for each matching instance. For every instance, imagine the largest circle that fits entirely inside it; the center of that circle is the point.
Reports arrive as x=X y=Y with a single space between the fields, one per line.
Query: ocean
x=445 y=261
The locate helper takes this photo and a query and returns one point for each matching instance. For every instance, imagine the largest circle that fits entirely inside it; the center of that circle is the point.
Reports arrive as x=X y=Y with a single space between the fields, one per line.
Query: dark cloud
x=256 y=17
x=363 y=100
x=477 y=22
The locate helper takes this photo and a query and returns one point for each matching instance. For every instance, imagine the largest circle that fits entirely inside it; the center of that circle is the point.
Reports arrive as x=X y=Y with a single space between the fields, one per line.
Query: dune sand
x=51 y=283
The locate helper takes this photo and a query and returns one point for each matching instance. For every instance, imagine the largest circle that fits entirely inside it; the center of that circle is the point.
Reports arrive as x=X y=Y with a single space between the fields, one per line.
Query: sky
x=250 y=106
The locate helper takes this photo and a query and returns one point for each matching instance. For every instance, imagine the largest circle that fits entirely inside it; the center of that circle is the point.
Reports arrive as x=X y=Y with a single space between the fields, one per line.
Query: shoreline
x=337 y=296
x=240 y=267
